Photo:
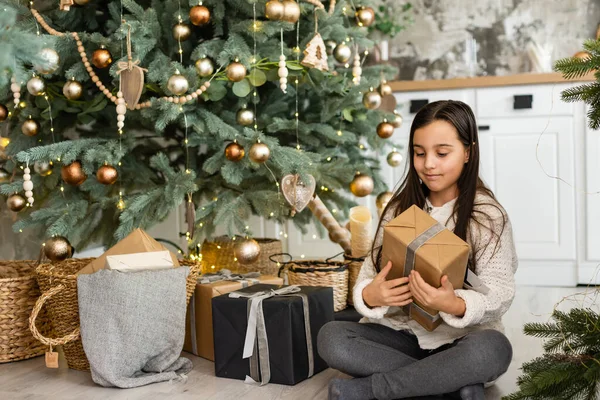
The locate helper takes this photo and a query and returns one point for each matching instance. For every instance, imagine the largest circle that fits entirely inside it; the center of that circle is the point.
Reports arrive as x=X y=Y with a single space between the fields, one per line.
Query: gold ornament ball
x=385 y=130
x=4 y=142
x=291 y=11
x=342 y=53
x=246 y=251
x=199 y=15
x=73 y=173
x=274 y=10
x=16 y=202
x=205 y=67
x=234 y=152
x=58 y=248
x=30 y=127
x=362 y=185
x=259 y=153
x=236 y=71
x=72 y=90
x=3 y=113
x=36 y=86
x=394 y=159
x=107 y=175
x=101 y=58
x=330 y=46
x=245 y=117
x=397 y=122
x=4 y=175
x=22 y=105
x=384 y=89
x=383 y=199
x=582 y=55
x=365 y=16
x=51 y=60
x=43 y=168
x=371 y=100
x=177 y=84
x=181 y=32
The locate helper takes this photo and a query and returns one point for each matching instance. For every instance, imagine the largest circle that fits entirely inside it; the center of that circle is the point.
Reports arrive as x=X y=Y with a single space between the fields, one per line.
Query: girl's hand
x=387 y=293
x=440 y=299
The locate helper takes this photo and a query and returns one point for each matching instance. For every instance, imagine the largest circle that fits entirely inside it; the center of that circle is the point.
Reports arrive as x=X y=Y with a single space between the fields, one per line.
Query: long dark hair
x=413 y=191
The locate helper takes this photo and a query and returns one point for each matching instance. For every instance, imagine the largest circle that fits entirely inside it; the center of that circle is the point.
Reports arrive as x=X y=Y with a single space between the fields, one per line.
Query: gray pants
x=399 y=368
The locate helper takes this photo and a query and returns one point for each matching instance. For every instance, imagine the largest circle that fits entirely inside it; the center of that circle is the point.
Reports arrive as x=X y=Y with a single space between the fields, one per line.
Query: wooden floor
x=30 y=379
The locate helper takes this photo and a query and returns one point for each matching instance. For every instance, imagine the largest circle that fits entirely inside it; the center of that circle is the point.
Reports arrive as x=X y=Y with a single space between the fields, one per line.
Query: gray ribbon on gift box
x=223 y=275
x=472 y=281
x=256 y=333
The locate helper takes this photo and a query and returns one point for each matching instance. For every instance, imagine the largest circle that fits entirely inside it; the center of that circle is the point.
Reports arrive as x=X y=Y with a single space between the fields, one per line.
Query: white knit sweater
x=496 y=270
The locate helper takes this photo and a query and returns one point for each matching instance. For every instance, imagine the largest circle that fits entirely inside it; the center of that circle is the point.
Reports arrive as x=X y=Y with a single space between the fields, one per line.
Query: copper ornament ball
x=385 y=130
x=236 y=71
x=107 y=175
x=259 y=153
x=43 y=168
x=246 y=251
x=199 y=15
x=234 y=152
x=291 y=11
x=274 y=10
x=181 y=32
x=4 y=175
x=3 y=113
x=365 y=16
x=58 y=248
x=16 y=202
x=73 y=173
x=101 y=58
x=72 y=90
x=30 y=127
x=362 y=185
x=383 y=199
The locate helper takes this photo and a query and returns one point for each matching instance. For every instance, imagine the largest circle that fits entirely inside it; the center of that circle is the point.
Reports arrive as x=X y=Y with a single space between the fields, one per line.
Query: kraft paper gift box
x=281 y=351
x=137 y=241
x=199 y=321
x=415 y=240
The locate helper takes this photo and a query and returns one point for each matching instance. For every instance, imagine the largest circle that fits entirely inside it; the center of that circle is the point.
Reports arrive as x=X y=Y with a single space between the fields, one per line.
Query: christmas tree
x=570 y=366
x=129 y=108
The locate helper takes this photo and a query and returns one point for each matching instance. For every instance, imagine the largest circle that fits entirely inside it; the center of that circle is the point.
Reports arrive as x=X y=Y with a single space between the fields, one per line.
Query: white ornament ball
x=28 y=185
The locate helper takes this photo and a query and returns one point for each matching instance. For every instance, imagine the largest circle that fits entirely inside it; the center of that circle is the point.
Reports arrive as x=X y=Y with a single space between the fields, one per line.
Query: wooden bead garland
x=356 y=69
x=121 y=110
x=16 y=89
x=28 y=185
x=283 y=73
x=96 y=79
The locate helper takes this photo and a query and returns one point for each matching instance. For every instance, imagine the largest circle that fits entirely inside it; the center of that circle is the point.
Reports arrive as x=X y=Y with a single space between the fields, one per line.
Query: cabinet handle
x=522 y=101
x=483 y=127
x=416 y=105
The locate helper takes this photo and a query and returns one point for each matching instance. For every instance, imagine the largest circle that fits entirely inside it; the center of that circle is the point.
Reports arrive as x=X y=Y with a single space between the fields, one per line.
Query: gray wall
x=433 y=47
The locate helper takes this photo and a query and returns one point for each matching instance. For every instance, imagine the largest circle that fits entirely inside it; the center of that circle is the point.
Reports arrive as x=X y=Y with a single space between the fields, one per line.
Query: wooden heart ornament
x=296 y=192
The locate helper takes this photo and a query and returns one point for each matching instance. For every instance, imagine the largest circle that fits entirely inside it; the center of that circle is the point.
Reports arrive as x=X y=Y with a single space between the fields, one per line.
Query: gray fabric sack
x=133 y=325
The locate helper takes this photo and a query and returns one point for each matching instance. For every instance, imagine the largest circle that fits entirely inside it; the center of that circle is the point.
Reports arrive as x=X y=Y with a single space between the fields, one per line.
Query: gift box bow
x=256 y=332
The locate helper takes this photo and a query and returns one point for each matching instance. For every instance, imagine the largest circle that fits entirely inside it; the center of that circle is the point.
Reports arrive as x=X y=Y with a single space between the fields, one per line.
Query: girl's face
x=439 y=156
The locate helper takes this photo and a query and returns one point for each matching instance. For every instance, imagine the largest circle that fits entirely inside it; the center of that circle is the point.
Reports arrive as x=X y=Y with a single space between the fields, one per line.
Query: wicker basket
x=354 y=265
x=58 y=283
x=18 y=294
x=218 y=254
x=321 y=273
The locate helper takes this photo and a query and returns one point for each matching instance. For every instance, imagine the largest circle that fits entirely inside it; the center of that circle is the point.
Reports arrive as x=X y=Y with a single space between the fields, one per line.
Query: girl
x=391 y=356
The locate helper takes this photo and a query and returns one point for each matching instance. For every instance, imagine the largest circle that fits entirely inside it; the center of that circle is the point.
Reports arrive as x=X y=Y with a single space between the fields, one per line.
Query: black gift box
x=284 y=323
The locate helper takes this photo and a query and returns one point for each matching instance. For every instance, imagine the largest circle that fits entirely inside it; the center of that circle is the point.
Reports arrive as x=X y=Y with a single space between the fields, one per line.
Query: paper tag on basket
x=51 y=359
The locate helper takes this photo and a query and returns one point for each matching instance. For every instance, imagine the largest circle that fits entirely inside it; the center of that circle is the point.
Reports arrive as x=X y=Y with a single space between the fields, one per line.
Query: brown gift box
x=441 y=253
x=199 y=313
x=137 y=241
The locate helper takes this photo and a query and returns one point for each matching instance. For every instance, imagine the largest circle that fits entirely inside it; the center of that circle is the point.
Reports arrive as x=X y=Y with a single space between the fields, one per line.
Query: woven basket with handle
x=218 y=254
x=354 y=265
x=58 y=283
x=18 y=294
x=327 y=273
